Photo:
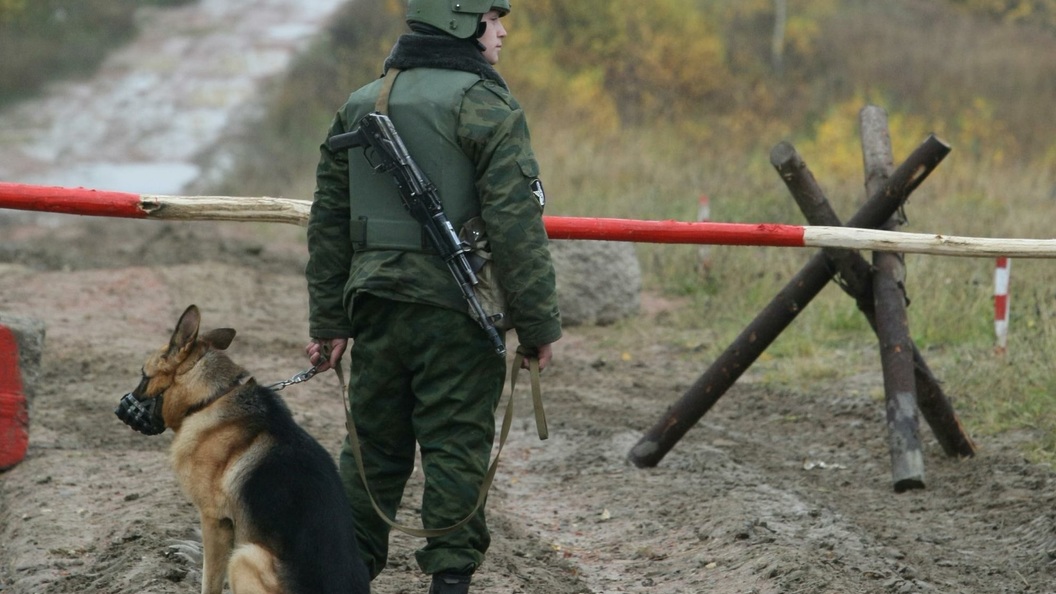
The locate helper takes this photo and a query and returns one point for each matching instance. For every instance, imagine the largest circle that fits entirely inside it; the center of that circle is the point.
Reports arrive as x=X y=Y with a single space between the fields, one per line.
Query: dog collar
x=240 y=380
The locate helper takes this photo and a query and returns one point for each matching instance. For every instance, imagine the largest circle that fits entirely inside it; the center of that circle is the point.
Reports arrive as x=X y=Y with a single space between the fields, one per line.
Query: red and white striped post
x=704 y=250
x=1002 y=274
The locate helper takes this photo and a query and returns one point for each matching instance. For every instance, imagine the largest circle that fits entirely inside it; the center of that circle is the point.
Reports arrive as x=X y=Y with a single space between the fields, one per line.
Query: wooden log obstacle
x=887 y=197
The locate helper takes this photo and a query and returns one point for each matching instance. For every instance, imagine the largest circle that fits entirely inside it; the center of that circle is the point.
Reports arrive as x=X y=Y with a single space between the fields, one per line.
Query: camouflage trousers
x=425 y=375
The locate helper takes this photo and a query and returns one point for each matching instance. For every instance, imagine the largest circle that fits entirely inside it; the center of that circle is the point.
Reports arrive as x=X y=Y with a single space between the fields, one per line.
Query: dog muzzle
x=140 y=415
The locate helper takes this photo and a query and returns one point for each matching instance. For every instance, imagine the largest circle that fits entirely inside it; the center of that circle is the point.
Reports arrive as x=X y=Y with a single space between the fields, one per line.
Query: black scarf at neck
x=435 y=51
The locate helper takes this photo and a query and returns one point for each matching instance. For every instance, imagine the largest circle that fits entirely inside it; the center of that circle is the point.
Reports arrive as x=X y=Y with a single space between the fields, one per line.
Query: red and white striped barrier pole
x=81 y=201
x=101 y=203
x=1002 y=275
x=778 y=235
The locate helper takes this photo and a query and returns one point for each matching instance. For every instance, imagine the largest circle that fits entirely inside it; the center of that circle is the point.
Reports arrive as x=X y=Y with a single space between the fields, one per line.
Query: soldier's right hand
x=328 y=351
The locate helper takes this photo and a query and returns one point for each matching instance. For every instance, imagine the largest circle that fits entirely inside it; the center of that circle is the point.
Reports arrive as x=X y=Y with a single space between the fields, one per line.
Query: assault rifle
x=421 y=198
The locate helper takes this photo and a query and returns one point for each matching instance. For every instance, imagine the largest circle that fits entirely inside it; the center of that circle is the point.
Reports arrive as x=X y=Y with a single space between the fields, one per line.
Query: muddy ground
x=775 y=490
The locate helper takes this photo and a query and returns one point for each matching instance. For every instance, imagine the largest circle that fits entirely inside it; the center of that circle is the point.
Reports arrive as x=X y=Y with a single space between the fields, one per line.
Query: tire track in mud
x=772 y=492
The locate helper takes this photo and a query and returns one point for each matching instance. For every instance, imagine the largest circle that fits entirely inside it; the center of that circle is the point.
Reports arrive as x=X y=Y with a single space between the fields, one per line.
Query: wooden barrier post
x=779 y=313
x=263 y=209
x=892 y=322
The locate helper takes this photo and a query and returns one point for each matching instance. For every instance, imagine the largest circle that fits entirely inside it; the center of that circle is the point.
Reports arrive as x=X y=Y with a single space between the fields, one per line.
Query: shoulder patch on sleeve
x=536 y=187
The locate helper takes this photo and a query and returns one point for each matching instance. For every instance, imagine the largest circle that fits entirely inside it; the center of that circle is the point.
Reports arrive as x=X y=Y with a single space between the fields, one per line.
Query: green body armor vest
x=424 y=106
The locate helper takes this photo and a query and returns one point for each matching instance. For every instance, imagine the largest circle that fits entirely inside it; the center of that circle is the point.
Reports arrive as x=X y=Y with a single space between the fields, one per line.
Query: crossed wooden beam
x=877 y=291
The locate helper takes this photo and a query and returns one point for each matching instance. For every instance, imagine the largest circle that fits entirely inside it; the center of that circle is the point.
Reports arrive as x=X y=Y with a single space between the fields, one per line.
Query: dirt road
x=138 y=123
x=775 y=491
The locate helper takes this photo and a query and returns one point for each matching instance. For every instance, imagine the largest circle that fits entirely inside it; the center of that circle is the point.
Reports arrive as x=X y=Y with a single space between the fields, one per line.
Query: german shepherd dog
x=274 y=515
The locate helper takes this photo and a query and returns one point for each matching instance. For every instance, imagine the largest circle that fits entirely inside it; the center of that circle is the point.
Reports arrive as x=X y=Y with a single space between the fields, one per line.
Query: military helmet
x=454 y=17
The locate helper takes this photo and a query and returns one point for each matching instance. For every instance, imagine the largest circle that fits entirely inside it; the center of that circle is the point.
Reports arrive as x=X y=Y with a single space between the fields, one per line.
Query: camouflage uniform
x=422 y=370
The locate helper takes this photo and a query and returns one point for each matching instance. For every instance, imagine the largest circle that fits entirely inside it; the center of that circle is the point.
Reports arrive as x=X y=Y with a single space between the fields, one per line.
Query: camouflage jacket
x=493 y=133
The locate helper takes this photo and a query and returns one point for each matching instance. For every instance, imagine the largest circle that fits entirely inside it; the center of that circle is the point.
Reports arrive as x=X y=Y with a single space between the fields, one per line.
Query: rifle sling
x=382 y=104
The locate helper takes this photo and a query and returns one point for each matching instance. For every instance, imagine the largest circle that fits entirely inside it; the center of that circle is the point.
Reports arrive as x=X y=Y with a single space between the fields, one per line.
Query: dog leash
x=533 y=370
x=489 y=477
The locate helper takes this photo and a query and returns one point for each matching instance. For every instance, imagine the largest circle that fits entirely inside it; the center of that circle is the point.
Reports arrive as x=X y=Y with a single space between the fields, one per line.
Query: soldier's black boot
x=450 y=583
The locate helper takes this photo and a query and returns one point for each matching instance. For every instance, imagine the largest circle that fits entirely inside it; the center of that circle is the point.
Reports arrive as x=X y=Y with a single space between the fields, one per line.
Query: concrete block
x=598 y=282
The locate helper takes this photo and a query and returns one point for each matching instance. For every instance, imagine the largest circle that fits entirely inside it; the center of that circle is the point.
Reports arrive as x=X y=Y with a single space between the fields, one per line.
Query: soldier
x=423 y=371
